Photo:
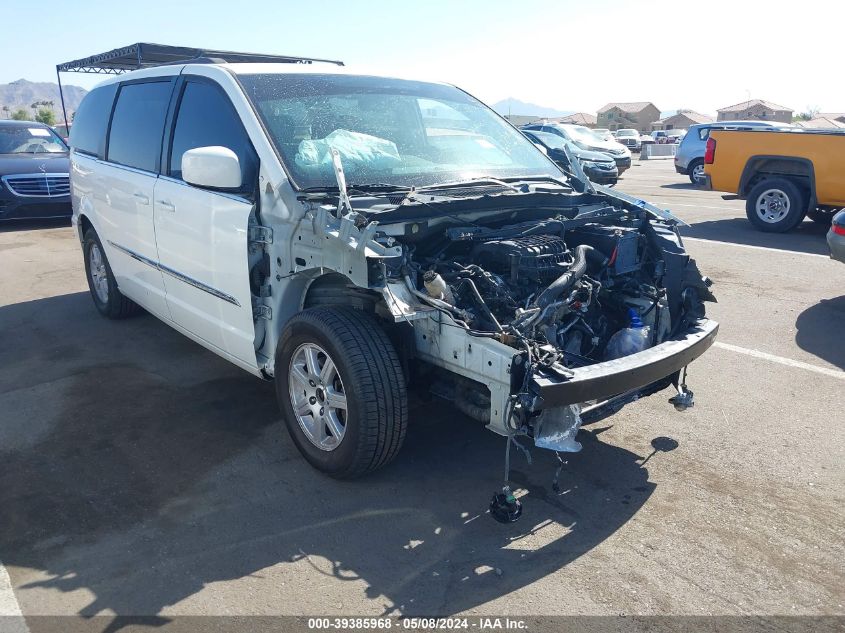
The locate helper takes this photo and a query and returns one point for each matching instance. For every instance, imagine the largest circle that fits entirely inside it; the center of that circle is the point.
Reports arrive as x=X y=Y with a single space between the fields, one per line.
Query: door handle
x=166 y=205
x=142 y=198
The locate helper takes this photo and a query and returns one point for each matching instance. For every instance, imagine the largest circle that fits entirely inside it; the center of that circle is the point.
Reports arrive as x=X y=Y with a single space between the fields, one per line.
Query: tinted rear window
x=138 y=124
x=88 y=131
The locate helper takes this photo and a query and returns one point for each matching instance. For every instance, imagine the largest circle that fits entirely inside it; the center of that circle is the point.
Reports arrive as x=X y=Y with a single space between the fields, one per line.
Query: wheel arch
x=83 y=225
x=314 y=287
x=799 y=170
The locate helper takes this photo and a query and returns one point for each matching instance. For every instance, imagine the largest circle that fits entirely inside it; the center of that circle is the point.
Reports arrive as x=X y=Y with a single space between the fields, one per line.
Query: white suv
x=349 y=235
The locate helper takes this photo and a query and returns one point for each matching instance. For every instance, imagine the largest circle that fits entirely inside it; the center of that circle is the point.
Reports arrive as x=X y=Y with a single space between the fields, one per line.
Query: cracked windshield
x=391 y=131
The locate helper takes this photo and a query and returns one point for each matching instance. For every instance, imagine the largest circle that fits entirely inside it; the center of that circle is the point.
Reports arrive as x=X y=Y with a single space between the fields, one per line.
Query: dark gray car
x=836 y=237
x=600 y=168
x=34 y=167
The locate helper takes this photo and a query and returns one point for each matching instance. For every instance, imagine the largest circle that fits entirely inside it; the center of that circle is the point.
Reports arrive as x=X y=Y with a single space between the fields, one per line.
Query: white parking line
x=700 y=206
x=833 y=373
x=755 y=248
x=9 y=606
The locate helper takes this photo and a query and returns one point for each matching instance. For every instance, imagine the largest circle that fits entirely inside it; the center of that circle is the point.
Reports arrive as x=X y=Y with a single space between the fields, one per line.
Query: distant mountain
x=515 y=106
x=23 y=93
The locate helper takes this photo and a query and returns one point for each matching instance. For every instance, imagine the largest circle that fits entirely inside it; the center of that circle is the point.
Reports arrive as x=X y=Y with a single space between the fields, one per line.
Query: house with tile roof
x=638 y=115
x=755 y=109
x=578 y=118
x=832 y=116
x=822 y=123
x=681 y=120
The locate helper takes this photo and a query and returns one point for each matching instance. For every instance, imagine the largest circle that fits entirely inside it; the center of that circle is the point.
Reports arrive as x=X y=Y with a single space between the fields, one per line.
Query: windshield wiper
x=540 y=178
x=375 y=187
x=471 y=182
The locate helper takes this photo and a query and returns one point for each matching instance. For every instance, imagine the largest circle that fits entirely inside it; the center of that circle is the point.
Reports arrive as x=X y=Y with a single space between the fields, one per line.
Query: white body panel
x=124 y=208
x=202 y=250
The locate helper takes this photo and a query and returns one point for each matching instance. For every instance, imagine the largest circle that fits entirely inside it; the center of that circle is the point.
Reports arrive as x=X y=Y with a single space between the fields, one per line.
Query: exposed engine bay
x=560 y=290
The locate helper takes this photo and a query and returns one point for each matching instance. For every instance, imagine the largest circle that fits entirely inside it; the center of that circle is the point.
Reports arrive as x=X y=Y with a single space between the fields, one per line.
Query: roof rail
x=145 y=55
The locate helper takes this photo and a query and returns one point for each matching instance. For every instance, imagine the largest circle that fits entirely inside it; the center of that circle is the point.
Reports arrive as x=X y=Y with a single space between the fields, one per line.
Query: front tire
x=775 y=205
x=341 y=389
x=107 y=297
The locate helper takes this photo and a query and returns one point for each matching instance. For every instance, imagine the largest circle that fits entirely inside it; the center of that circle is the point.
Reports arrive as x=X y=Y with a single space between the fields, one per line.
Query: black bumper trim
x=604 y=380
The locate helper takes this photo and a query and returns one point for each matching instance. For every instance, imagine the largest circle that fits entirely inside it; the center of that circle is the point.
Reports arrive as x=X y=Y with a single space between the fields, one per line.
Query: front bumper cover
x=610 y=378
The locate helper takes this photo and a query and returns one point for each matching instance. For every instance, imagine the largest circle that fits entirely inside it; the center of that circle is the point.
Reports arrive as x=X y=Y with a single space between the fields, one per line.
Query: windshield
x=583 y=134
x=29 y=140
x=627 y=133
x=391 y=131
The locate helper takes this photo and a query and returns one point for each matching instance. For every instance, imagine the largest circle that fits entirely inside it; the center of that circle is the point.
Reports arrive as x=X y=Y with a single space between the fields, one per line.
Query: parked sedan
x=600 y=168
x=34 y=181
x=836 y=237
x=585 y=139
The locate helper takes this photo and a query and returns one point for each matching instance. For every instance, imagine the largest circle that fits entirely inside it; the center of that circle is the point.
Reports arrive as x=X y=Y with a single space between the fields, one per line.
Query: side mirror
x=215 y=166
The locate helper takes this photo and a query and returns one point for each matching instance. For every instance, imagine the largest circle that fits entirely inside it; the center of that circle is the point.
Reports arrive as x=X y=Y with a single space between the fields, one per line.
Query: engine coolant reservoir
x=630 y=340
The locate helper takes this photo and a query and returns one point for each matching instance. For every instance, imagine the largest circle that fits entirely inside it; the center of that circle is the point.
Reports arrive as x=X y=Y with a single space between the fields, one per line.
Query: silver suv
x=350 y=236
x=689 y=157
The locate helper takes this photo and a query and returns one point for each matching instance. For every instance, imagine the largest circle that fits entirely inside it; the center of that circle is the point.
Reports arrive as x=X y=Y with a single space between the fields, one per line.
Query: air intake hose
x=564 y=283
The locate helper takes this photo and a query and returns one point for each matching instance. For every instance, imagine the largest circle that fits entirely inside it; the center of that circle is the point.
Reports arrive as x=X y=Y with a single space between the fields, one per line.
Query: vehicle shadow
x=140 y=468
x=808 y=237
x=682 y=185
x=12 y=226
x=818 y=333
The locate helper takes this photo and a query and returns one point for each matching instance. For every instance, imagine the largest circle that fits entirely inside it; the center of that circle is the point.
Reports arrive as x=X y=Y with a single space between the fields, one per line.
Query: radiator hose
x=564 y=283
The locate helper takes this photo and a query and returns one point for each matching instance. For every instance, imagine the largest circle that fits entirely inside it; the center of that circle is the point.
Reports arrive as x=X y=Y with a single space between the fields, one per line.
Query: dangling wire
x=561 y=463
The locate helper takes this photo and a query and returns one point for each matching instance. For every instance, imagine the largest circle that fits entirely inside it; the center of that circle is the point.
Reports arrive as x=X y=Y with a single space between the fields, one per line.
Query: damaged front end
x=547 y=324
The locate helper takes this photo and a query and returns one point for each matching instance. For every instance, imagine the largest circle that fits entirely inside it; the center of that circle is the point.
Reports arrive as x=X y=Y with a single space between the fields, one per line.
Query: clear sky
x=556 y=53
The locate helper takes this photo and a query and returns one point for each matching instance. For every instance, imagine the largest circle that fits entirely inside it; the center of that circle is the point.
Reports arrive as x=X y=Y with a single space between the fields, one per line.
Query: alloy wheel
x=99 y=275
x=317 y=396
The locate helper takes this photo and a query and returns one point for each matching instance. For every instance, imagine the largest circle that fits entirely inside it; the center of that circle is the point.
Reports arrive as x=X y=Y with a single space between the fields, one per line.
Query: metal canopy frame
x=145 y=55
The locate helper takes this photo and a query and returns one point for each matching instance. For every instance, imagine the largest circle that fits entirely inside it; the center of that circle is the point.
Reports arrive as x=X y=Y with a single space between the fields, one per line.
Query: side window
x=88 y=132
x=704 y=133
x=205 y=118
x=138 y=124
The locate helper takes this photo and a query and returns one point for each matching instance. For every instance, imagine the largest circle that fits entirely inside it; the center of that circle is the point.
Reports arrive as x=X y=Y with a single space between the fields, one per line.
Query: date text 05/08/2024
x=422 y=624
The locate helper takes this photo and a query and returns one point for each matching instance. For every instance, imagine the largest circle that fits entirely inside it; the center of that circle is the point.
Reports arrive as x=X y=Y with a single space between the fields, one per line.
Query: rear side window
x=704 y=133
x=206 y=118
x=138 y=124
x=88 y=132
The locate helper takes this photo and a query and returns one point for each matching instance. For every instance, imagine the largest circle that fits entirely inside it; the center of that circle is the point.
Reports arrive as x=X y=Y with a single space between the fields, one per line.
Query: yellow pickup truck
x=784 y=175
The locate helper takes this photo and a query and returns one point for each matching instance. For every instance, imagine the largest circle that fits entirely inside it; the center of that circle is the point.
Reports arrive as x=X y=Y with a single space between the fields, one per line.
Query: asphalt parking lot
x=142 y=475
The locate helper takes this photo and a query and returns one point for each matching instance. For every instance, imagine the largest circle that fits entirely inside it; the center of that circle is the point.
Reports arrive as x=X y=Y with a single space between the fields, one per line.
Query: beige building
x=638 y=115
x=579 y=118
x=822 y=123
x=681 y=120
x=756 y=109
x=832 y=116
x=522 y=119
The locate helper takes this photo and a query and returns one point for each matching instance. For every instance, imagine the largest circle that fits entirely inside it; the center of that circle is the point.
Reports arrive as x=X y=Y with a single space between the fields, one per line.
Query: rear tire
x=107 y=297
x=776 y=205
x=696 y=172
x=333 y=355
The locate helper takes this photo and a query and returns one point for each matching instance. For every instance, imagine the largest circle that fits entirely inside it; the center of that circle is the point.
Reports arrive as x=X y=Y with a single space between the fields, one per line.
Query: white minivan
x=349 y=235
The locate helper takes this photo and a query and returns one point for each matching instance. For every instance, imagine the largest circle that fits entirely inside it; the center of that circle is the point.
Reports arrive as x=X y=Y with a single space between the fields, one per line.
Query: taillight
x=838 y=229
x=710 y=151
